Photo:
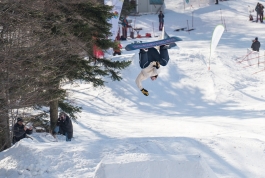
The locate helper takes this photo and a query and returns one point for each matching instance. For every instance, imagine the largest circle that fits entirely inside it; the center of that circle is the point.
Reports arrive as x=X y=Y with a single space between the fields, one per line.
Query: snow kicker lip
x=152 y=44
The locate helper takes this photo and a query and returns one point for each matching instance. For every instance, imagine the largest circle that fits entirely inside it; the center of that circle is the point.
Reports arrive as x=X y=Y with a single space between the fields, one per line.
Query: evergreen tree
x=128 y=7
x=45 y=43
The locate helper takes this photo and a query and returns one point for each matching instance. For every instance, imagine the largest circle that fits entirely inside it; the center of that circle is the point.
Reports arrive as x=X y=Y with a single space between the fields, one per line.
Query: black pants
x=16 y=139
x=161 y=24
x=259 y=17
x=124 y=32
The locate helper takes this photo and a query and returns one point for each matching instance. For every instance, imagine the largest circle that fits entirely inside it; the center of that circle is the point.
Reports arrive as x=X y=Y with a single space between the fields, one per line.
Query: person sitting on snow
x=255 y=45
x=64 y=126
x=20 y=130
x=150 y=60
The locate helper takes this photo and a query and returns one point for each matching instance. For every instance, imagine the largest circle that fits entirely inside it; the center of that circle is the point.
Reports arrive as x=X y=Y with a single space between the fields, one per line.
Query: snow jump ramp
x=153 y=166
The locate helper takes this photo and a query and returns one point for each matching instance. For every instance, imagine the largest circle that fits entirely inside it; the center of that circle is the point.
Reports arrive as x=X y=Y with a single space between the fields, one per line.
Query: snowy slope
x=217 y=115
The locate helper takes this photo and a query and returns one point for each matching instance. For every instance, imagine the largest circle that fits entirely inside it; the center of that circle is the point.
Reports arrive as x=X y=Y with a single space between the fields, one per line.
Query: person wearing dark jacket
x=259 y=10
x=20 y=130
x=161 y=20
x=64 y=126
x=255 y=45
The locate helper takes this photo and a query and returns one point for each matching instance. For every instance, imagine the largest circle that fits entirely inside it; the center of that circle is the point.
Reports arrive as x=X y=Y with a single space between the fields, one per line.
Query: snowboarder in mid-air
x=150 y=60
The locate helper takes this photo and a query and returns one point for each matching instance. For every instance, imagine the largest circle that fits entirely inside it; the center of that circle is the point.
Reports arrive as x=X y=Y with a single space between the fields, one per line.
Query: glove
x=145 y=92
x=157 y=65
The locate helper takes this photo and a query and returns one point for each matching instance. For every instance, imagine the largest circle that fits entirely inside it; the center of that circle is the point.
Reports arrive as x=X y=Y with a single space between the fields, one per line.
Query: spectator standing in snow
x=255 y=45
x=150 y=60
x=216 y=2
x=124 y=27
x=161 y=20
x=259 y=11
x=20 y=130
x=64 y=126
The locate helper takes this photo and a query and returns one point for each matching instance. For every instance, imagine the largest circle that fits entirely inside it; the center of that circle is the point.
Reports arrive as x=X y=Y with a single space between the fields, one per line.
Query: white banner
x=217 y=33
x=117 y=6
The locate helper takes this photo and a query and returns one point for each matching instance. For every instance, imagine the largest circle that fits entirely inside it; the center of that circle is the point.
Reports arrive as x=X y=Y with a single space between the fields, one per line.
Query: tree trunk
x=53 y=114
x=5 y=140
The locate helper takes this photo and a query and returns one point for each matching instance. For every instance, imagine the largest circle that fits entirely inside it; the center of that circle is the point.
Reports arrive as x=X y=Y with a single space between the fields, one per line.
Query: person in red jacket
x=117 y=49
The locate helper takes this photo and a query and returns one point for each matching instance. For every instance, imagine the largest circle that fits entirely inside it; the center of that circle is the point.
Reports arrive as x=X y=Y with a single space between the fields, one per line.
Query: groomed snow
x=153 y=166
x=216 y=116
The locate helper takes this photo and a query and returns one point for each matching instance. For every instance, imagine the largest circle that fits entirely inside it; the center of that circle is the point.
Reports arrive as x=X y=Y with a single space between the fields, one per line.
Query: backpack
x=250 y=17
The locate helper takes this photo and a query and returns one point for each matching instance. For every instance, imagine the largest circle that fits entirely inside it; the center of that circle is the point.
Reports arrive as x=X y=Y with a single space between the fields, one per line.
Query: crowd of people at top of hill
x=260 y=10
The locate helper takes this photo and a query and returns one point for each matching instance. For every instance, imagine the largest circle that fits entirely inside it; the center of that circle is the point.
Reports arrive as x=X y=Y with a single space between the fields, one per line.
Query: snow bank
x=153 y=166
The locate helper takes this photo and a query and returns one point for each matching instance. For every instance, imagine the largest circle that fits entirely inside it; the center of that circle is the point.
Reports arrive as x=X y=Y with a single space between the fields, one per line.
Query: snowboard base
x=135 y=46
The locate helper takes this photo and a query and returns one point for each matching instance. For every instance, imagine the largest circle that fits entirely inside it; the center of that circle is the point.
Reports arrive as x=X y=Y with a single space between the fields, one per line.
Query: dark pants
x=116 y=52
x=16 y=139
x=145 y=58
x=161 y=24
x=57 y=130
x=124 y=32
x=259 y=17
x=216 y=2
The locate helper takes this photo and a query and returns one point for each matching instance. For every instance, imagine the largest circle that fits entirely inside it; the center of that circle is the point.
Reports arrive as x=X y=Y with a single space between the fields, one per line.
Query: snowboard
x=135 y=46
x=165 y=36
x=180 y=29
x=190 y=29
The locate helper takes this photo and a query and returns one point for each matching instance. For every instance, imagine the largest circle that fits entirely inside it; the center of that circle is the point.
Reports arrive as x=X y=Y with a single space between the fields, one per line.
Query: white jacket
x=146 y=73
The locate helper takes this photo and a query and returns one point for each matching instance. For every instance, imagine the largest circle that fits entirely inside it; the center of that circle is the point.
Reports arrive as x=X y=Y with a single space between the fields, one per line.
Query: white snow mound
x=137 y=165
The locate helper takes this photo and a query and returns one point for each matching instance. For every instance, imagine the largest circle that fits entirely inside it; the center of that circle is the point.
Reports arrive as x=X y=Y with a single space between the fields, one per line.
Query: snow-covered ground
x=200 y=122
